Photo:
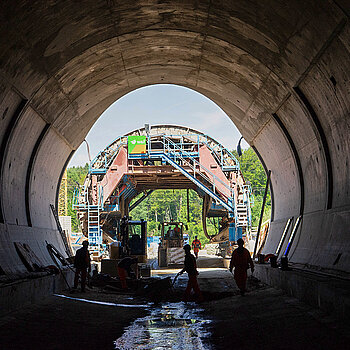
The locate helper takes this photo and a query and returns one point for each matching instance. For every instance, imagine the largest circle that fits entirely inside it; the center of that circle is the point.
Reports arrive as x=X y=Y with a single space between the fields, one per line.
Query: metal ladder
x=94 y=229
x=242 y=214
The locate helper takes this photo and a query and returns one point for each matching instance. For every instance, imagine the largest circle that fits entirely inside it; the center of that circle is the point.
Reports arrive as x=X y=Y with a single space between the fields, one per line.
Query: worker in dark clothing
x=241 y=260
x=190 y=267
x=124 y=269
x=196 y=245
x=82 y=264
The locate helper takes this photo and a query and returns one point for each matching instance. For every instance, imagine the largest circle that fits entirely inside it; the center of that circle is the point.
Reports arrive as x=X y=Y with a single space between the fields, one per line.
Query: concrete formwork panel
x=284 y=174
x=274 y=236
x=307 y=142
x=329 y=240
x=10 y=102
x=332 y=107
x=49 y=161
x=10 y=261
x=19 y=153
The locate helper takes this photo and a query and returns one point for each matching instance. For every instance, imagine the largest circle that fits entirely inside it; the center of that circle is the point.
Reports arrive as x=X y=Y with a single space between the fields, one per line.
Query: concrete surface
x=280 y=70
x=19 y=293
x=265 y=319
x=326 y=292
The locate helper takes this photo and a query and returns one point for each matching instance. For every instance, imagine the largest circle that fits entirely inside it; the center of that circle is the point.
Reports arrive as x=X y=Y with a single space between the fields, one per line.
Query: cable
x=88 y=150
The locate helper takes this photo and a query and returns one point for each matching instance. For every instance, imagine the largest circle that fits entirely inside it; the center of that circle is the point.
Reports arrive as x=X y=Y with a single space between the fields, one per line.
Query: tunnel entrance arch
x=280 y=73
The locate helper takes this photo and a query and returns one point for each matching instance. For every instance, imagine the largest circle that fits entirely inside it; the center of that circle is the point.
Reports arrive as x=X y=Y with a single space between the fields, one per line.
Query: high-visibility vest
x=196 y=244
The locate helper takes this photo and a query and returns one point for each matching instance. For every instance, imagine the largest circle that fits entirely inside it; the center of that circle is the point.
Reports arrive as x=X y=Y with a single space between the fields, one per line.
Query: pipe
x=292 y=236
x=285 y=231
x=262 y=212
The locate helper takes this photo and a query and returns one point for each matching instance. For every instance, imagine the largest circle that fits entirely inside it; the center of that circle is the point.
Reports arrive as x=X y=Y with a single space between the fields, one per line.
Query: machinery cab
x=170 y=249
x=137 y=241
x=172 y=234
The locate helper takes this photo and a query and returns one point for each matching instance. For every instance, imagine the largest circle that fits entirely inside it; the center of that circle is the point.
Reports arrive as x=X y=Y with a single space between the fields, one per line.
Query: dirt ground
x=263 y=319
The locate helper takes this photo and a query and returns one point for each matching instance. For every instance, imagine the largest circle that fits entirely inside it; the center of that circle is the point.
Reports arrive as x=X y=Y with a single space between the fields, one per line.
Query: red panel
x=207 y=160
x=115 y=173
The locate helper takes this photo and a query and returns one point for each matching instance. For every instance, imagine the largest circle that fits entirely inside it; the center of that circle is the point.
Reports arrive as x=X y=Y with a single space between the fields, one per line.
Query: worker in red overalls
x=124 y=270
x=190 y=267
x=241 y=260
x=196 y=245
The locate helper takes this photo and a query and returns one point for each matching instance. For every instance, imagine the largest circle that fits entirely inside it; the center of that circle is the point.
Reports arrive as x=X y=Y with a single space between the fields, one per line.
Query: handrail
x=104 y=157
x=108 y=152
x=204 y=188
x=199 y=164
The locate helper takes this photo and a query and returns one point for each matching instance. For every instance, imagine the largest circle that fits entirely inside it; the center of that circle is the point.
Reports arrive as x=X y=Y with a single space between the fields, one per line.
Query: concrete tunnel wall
x=280 y=70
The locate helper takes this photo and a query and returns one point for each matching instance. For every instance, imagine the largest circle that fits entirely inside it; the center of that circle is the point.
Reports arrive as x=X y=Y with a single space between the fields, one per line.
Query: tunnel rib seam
x=296 y=158
x=314 y=61
x=109 y=5
x=29 y=171
x=323 y=48
x=324 y=143
x=6 y=141
x=341 y=8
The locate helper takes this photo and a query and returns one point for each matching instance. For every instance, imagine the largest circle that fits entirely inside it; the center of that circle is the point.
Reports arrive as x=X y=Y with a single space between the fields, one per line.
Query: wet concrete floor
x=263 y=319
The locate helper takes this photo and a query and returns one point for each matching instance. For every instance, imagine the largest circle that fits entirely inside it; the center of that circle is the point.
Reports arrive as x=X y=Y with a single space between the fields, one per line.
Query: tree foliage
x=254 y=173
x=75 y=177
x=167 y=205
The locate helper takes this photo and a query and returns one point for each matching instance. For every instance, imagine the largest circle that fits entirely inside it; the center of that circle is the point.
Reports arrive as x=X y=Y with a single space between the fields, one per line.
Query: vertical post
x=262 y=212
x=188 y=205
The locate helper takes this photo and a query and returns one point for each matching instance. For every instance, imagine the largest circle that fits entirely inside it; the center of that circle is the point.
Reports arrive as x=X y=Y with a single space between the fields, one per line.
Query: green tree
x=75 y=177
x=254 y=173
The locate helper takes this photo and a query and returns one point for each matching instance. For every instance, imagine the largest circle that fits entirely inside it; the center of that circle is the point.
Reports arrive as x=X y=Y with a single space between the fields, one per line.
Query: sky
x=158 y=104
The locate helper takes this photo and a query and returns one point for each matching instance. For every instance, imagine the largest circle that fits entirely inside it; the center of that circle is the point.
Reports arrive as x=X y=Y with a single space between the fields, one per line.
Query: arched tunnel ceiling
x=280 y=70
x=235 y=56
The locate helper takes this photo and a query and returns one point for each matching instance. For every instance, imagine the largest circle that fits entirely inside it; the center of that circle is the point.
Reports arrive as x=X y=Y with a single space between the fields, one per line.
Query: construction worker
x=190 y=267
x=177 y=231
x=124 y=269
x=241 y=260
x=196 y=245
x=82 y=263
x=168 y=233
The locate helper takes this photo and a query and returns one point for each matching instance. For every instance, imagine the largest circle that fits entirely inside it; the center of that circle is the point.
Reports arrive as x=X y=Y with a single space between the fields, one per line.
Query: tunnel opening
x=279 y=70
x=214 y=224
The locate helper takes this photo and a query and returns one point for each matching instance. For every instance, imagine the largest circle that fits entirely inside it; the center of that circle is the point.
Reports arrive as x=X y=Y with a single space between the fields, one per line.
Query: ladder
x=242 y=215
x=94 y=231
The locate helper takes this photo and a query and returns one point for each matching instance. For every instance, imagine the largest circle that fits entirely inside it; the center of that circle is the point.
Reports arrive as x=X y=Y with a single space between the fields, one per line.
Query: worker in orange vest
x=196 y=245
x=241 y=260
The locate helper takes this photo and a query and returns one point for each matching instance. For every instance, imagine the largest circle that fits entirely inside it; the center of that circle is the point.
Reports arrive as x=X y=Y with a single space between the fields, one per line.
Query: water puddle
x=171 y=326
x=102 y=302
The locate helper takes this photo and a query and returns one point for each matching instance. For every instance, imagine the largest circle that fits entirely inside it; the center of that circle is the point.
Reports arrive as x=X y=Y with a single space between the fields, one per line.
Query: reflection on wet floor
x=102 y=302
x=170 y=326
